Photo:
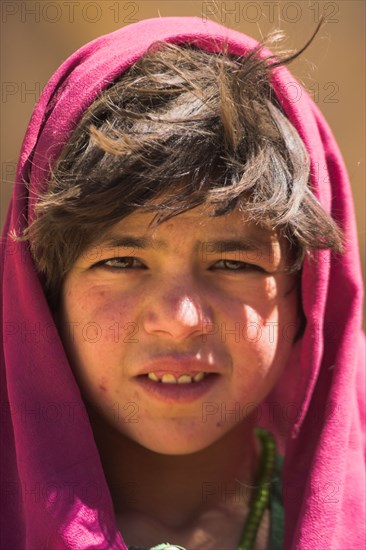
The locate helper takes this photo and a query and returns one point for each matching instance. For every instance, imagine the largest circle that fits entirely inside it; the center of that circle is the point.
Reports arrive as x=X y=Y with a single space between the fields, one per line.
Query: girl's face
x=176 y=333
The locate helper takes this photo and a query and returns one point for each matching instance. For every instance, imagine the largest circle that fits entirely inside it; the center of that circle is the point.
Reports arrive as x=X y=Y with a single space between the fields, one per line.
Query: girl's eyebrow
x=207 y=247
x=233 y=245
x=128 y=241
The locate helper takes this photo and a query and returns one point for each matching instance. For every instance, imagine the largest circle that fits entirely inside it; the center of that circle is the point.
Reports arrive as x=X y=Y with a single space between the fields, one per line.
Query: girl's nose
x=178 y=311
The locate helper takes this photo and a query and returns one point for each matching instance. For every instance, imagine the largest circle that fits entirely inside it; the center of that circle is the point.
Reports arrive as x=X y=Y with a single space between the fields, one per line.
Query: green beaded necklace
x=260 y=499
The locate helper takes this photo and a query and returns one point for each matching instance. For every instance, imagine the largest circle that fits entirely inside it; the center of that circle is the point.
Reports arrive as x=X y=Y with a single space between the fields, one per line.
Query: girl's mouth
x=172 y=378
x=177 y=388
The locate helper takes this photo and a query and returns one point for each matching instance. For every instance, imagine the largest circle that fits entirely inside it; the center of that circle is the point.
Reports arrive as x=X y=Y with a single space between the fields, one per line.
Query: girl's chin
x=184 y=442
x=178 y=449
x=177 y=436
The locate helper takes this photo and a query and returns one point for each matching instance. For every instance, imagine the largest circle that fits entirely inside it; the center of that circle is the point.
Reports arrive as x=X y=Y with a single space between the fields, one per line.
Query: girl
x=177 y=362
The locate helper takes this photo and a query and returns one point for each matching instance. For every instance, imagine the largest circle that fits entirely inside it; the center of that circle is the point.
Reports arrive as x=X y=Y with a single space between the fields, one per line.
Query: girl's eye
x=234 y=265
x=124 y=262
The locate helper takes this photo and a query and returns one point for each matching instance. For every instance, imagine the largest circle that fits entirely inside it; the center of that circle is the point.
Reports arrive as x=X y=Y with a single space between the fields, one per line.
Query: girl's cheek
x=268 y=338
x=100 y=303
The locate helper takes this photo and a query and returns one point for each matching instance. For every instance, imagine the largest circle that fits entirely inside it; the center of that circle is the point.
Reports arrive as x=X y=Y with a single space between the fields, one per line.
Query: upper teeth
x=171 y=379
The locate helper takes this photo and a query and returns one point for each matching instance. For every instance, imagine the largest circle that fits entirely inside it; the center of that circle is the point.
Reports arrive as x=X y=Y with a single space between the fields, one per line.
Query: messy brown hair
x=181 y=128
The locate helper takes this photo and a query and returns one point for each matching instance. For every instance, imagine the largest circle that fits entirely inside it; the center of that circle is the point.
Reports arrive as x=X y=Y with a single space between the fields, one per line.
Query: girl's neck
x=173 y=489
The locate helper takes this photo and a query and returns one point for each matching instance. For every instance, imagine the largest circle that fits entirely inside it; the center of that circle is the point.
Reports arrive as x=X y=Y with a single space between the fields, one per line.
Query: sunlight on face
x=187 y=313
x=197 y=296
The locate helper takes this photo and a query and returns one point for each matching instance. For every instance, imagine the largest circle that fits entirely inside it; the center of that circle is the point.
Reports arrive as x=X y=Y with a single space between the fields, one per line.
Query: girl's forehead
x=196 y=220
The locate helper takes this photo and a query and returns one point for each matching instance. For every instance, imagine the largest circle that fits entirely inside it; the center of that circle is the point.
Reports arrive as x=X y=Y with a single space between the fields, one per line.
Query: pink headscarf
x=53 y=490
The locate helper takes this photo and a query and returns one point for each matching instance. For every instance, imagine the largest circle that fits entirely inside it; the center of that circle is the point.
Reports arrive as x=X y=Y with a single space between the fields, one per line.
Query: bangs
x=180 y=129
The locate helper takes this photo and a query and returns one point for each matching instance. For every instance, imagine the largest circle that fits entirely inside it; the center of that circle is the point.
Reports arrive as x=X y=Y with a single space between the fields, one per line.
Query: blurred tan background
x=37 y=36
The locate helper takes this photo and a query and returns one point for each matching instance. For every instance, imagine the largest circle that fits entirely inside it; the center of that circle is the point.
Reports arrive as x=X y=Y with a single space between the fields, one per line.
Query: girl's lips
x=177 y=393
x=179 y=364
